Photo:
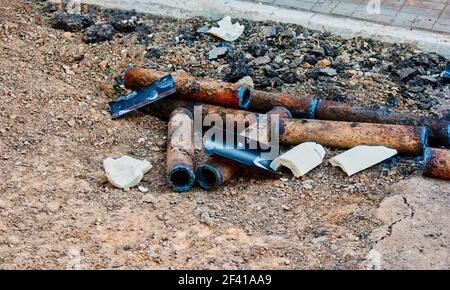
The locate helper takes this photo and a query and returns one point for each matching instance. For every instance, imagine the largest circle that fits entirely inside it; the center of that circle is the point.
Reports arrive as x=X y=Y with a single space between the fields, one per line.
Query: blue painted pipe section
x=208 y=176
x=180 y=177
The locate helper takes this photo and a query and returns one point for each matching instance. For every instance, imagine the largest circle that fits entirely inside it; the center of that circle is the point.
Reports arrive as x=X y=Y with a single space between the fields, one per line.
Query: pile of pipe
x=331 y=124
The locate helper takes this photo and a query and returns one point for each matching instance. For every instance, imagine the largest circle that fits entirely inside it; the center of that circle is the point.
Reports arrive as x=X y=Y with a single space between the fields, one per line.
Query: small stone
x=317 y=51
x=203 y=30
x=99 y=33
x=262 y=60
x=344 y=58
x=319 y=239
x=328 y=71
x=53 y=206
x=373 y=60
x=406 y=73
x=307 y=186
x=154 y=52
x=125 y=172
x=324 y=62
x=217 y=52
x=13 y=240
x=73 y=252
x=352 y=72
x=3 y=203
x=247 y=82
x=286 y=207
x=269 y=31
x=257 y=49
x=71 y=123
x=142 y=189
x=148 y=198
x=278 y=59
x=67 y=34
x=311 y=59
x=205 y=218
x=270 y=72
x=429 y=79
x=103 y=64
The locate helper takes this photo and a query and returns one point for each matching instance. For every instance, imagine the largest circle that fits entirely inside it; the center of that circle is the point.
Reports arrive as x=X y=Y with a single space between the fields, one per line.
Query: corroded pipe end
x=209 y=176
x=437 y=163
x=244 y=97
x=181 y=177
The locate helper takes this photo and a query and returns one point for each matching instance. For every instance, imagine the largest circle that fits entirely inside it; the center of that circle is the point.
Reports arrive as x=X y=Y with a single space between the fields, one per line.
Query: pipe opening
x=208 y=176
x=244 y=97
x=181 y=178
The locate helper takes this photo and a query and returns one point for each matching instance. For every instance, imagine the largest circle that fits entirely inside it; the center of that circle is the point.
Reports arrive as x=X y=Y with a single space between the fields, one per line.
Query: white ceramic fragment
x=301 y=159
x=361 y=157
x=125 y=172
x=226 y=30
x=142 y=189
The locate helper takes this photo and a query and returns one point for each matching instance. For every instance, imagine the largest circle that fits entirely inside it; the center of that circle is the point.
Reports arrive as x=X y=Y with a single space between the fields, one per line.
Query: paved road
x=432 y=15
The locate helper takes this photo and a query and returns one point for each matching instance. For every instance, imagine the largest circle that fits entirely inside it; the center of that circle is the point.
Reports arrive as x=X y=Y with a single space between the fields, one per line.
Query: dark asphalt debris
x=99 y=33
x=71 y=22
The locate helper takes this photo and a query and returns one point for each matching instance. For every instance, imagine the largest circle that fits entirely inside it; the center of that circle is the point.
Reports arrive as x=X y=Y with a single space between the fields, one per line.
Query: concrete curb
x=346 y=27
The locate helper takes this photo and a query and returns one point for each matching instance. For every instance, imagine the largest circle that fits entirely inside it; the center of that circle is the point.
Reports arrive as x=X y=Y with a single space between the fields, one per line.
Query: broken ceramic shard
x=125 y=172
x=226 y=30
x=361 y=157
x=301 y=159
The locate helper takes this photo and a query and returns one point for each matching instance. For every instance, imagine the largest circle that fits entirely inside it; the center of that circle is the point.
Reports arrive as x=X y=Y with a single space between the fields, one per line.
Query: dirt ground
x=58 y=210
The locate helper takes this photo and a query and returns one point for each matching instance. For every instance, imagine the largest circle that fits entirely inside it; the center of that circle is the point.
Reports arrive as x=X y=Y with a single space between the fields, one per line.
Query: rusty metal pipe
x=163 y=107
x=437 y=163
x=180 y=150
x=216 y=170
x=299 y=107
x=438 y=130
x=334 y=134
x=192 y=88
x=261 y=101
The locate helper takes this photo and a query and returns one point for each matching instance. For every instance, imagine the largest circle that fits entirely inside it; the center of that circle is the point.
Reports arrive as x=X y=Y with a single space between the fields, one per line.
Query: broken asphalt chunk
x=71 y=22
x=331 y=72
x=99 y=33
